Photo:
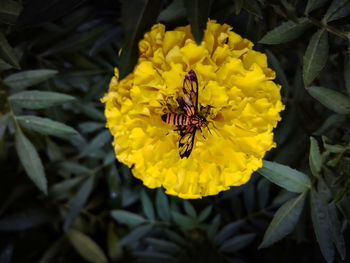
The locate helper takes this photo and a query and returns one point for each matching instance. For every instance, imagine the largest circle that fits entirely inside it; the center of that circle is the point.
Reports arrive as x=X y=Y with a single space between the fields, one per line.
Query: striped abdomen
x=176 y=119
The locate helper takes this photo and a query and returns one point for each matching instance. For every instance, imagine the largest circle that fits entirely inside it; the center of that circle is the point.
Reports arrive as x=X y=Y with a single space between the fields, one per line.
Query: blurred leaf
x=347 y=74
x=6 y=52
x=46 y=126
x=52 y=252
x=338 y=9
x=147 y=206
x=110 y=36
x=75 y=168
x=100 y=140
x=135 y=235
x=23 y=220
x=280 y=75
x=314 y=4
x=236 y=243
x=154 y=257
x=321 y=226
x=28 y=78
x=90 y=111
x=189 y=209
x=176 y=237
x=316 y=56
x=228 y=231
x=205 y=213
x=110 y=158
x=332 y=99
x=336 y=230
x=6 y=254
x=136 y=20
x=284 y=220
x=253 y=7
x=214 y=226
x=332 y=121
x=184 y=222
x=9 y=11
x=115 y=252
x=162 y=205
x=285 y=32
x=30 y=160
x=163 y=245
x=62 y=188
x=286 y=177
x=315 y=158
x=128 y=218
x=249 y=197
x=78 y=201
x=35 y=99
x=175 y=11
x=263 y=190
x=90 y=126
x=3 y=124
x=197 y=14
x=86 y=247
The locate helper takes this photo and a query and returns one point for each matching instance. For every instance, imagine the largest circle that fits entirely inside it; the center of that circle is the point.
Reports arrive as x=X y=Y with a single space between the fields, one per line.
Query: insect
x=191 y=120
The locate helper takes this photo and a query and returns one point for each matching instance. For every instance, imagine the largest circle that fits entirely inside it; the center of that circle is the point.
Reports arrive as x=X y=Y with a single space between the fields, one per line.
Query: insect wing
x=190 y=89
x=186 y=141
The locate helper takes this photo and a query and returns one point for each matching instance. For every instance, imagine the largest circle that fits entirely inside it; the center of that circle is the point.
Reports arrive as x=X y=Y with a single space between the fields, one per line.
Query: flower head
x=236 y=93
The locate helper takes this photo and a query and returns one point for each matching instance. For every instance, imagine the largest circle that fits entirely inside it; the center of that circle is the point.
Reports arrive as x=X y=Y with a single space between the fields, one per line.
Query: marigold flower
x=233 y=79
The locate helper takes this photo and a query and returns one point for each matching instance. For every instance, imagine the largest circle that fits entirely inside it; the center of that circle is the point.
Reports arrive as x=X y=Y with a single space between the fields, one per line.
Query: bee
x=189 y=121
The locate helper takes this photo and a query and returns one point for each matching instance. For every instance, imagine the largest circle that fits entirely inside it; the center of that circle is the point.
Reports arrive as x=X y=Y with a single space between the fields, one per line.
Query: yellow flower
x=233 y=79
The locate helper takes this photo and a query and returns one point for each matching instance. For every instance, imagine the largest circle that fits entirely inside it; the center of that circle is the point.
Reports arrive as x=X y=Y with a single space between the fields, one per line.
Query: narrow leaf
x=174 y=12
x=4 y=120
x=128 y=218
x=86 y=247
x=315 y=158
x=284 y=220
x=321 y=226
x=28 y=78
x=336 y=230
x=9 y=11
x=315 y=57
x=338 y=9
x=184 y=222
x=236 y=243
x=332 y=99
x=314 y=4
x=197 y=14
x=99 y=141
x=135 y=235
x=189 y=209
x=286 y=177
x=35 y=99
x=347 y=73
x=46 y=126
x=136 y=20
x=30 y=160
x=228 y=231
x=147 y=205
x=163 y=245
x=78 y=202
x=162 y=205
x=6 y=52
x=287 y=31
x=205 y=213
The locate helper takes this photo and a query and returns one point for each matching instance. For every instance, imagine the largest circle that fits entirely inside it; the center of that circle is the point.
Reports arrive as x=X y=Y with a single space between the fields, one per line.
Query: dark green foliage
x=64 y=196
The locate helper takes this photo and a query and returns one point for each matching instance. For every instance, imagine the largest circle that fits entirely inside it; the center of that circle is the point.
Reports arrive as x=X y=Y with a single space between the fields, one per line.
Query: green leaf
x=23 y=220
x=214 y=226
x=163 y=245
x=197 y=14
x=332 y=99
x=78 y=202
x=321 y=226
x=90 y=126
x=253 y=7
x=189 y=209
x=4 y=120
x=9 y=11
x=46 y=126
x=338 y=9
x=162 y=205
x=6 y=52
x=236 y=243
x=205 y=213
x=285 y=32
x=147 y=206
x=136 y=20
x=315 y=158
x=347 y=74
x=284 y=220
x=174 y=12
x=314 y=4
x=333 y=121
x=128 y=218
x=263 y=190
x=185 y=222
x=135 y=235
x=35 y=99
x=336 y=230
x=62 y=188
x=280 y=75
x=28 y=78
x=228 y=231
x=316 y=56
x=286 y=177
x=30 y=160
x=153 y=257
x=86 y=246
x=176 y=237
x=99 y=141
